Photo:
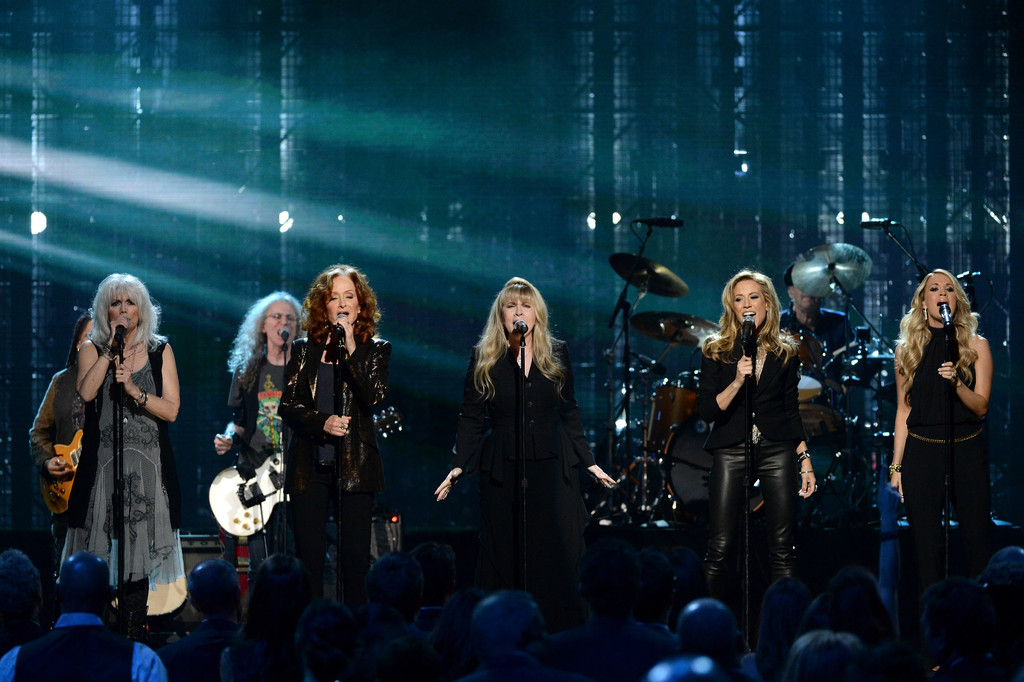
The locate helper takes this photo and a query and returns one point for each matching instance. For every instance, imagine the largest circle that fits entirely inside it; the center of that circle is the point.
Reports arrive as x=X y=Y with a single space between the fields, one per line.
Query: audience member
x=378 y=626
x=451 y=634
x=959 y=624
x=856 y=606
x=707 y=627
x=690 y=582
x=657 y=590
x=279 y=593
x=325 y=638
x=687 y=669
x=21 y=595
x=80 y=646
x=782 y=609
x=816 y=615
x=396 y=580
x=409 y=659
x=506 y=626
x=437 y=561
x=214 y=591
x=821 y=656
x=611 y=645
x=1003 y=579
x=891 y=661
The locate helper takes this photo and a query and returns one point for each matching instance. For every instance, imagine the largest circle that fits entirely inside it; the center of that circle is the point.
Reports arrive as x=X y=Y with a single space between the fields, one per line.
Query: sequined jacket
x=365 y=373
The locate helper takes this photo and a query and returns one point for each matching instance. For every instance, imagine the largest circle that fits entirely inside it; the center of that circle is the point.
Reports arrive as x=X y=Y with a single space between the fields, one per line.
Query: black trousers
x=774 y=464
x=923 y=474
x=309 y=516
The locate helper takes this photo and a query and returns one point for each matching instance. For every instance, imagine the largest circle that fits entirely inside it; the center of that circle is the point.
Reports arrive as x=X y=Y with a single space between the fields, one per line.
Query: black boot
x=136 y=610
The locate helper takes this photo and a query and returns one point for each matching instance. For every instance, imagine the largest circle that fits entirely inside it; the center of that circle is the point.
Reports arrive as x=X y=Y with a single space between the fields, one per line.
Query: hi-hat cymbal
x=655 y=278
x=684 y=330
x=815 y=269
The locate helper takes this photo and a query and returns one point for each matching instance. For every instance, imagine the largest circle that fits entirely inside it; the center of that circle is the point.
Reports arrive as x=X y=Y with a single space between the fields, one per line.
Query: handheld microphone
x=284 y=334
x=520 y=327
x=119 y=335
x=747 y=332
x=946 y=314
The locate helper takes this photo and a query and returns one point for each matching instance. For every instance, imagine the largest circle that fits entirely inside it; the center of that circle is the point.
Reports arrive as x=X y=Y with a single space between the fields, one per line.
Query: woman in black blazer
x=778 y=451
x=339 y=299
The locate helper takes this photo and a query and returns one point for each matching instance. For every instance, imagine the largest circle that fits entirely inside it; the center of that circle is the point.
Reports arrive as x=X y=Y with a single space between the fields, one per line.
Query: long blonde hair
x=914 y=334
x=719 y=345
x=493 y=342
x=131 y=287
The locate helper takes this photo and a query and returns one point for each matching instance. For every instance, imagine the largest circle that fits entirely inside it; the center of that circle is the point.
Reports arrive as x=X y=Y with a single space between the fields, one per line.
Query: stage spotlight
x=37 y=222
x=285 y=221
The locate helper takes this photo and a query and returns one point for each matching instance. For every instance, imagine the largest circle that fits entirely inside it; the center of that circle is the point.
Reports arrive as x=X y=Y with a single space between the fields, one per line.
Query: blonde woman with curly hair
x=556 y=451
x=778 y=448
x=926 y=368
x=340 y=301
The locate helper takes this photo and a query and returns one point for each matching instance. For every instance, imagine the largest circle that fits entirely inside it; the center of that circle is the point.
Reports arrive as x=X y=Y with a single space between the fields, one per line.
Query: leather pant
x=774 y=464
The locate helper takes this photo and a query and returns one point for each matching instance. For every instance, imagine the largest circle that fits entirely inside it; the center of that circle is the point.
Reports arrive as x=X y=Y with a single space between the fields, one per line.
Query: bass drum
x=689 y=471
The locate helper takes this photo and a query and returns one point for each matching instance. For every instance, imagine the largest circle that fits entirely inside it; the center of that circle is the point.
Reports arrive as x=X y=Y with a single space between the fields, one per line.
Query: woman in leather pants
x=770 y=362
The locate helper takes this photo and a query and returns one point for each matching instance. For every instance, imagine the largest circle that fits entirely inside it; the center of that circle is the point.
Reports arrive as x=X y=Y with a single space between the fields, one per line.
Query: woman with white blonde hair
x=126 y=358
x=556 y=449
x=777 y=446
x=926 y=368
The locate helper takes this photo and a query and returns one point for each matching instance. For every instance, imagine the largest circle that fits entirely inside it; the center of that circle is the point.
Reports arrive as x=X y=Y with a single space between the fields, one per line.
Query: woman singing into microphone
x=778 y=451
x=340 y=301
x=925 y=367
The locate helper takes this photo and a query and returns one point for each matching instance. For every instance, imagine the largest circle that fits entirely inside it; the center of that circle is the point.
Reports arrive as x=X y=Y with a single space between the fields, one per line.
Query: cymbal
x=815 y=269
x=685 y=330
x=655 y=278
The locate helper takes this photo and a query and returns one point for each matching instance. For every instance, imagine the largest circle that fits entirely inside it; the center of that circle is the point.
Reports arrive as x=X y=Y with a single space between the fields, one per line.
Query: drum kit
x=840 y=391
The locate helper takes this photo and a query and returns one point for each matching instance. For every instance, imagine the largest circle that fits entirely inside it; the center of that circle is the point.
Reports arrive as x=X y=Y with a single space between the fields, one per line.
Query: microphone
x=660 y=222
x=284 y=334
x=747 y=332
x=878 y=224
x=946 y=314
x=119 y=335
x=520 y=327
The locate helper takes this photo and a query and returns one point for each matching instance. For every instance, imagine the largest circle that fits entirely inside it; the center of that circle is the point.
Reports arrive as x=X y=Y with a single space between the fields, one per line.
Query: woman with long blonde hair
x=926 y=369
x=777 y=446
x=556 y=449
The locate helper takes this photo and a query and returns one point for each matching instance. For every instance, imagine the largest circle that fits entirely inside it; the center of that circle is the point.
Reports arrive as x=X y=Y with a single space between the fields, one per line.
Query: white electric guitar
x=243 y=506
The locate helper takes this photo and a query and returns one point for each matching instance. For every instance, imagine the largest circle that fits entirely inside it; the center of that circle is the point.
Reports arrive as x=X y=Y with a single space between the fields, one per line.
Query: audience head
x=610 y=577
x=279 y=593
x=856 y=606
x=657 y=584
x=707 y=626
x=1007 y=554
x=505 y=622
x=687 y=669
x=84 y=585
x=690 y=582
x=325 y=638
x=396 y=580
x=816 y=616
x=213 y=589
x=21 y=590
x=408 y=659
x=437 y=562
x=958 y=620
x=782 y=609
x=821 y=656
x=449 y=635
x=891 y=661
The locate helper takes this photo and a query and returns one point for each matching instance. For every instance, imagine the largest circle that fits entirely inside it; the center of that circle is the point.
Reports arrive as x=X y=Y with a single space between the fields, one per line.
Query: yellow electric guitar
x=56 y=493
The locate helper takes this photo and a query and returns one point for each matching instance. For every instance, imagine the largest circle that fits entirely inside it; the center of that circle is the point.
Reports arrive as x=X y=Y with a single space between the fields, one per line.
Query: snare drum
x=672 y=405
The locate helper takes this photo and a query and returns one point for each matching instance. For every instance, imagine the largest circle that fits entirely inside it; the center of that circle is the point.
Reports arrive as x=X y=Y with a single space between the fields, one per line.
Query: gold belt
x=943 y=440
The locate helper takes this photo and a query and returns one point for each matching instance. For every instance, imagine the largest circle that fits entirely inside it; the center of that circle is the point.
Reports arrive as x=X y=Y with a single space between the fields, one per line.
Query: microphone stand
x=748 y=400
x=340 y=409
x=281 y=539
x=922 y=271
x=520 y=484
x=119 y=518
x=947 y=482
x=627 y=381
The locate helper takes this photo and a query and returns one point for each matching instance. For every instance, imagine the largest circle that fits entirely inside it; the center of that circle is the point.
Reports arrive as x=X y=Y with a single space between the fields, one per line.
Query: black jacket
x=365 y=374
x=775 y=402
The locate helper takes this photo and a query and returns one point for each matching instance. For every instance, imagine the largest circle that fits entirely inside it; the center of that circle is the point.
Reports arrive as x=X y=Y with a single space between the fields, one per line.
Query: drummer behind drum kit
x=667 y=484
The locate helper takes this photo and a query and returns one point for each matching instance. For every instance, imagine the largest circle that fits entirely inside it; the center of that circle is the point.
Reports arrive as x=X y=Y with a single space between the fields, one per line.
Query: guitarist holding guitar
x=256 y=436
x=56 y=436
